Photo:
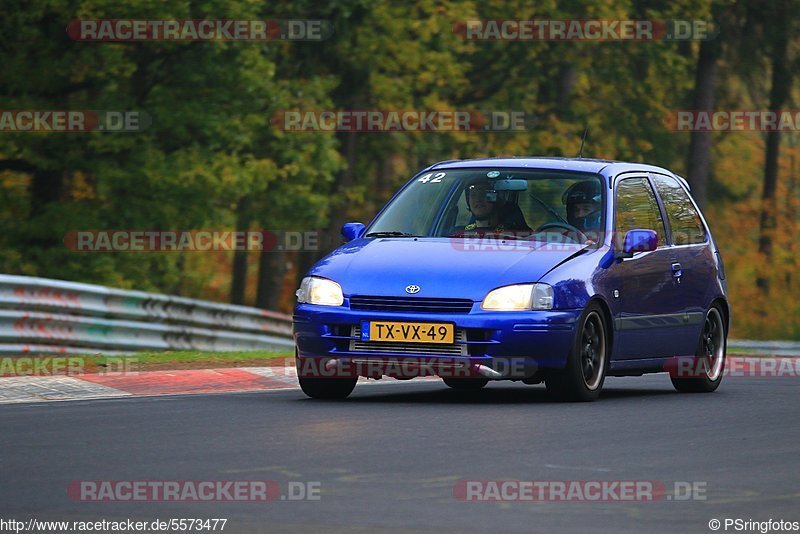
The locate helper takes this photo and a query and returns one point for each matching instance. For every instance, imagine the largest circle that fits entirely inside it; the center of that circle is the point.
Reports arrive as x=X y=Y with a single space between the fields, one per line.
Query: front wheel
x=582 y=378
x=327 y=388
x=709 y=358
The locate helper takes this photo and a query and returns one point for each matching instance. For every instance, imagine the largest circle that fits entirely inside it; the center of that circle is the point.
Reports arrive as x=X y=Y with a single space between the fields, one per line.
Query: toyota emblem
x=412 y=289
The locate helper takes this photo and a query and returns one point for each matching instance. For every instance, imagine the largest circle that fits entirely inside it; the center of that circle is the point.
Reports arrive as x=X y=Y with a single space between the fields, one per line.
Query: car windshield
x=523 y=204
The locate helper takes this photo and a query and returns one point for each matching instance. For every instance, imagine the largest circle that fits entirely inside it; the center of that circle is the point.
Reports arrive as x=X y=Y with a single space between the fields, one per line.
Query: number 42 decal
x=437 y=178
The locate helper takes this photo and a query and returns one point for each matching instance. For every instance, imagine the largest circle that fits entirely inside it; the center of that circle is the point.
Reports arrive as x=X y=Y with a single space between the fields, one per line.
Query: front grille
x=453 y=349
x=411 y=304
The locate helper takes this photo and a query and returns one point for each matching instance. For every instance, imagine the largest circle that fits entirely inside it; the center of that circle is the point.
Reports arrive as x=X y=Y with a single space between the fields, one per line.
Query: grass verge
x=26 y=365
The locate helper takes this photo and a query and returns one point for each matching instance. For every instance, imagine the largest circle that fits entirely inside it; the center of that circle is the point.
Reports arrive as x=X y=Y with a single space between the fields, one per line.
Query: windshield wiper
x=390 y=234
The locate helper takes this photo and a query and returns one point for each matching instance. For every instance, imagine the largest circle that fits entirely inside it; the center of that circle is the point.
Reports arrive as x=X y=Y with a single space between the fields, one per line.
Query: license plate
x=407 y=332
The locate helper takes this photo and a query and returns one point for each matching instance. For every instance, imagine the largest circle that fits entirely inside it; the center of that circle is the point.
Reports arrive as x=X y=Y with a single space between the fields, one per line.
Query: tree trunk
x=698 y=167
x=271 y=271
x=239 y=274
x=791 y=215
x=779 y=94
x=46 y=187
x=567 y=78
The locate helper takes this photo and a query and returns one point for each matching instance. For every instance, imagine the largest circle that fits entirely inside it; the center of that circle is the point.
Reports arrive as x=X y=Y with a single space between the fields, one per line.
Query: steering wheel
x=558 y=224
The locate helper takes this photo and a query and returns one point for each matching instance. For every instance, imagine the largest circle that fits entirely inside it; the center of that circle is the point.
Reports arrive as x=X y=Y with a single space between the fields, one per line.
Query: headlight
x=321 y=291
x=519 y=297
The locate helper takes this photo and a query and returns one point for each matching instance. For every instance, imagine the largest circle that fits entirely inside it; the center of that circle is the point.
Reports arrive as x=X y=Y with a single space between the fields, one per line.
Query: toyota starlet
x=562 y=271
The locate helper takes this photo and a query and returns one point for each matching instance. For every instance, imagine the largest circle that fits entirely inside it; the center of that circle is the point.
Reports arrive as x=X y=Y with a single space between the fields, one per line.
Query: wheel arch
x=606 y=309
x=726 y=312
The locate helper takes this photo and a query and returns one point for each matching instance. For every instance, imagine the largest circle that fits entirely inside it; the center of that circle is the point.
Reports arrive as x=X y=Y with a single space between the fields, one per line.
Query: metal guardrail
x=773 y=348
x=43 y=316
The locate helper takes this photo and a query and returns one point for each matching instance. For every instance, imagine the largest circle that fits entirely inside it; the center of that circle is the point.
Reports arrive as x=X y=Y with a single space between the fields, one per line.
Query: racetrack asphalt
x=389 y=457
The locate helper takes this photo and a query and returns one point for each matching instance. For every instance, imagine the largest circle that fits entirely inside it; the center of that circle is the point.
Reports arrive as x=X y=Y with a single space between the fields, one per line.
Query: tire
x=466 y=384
x=587 y=363
x=327 y=388
x=709 y=357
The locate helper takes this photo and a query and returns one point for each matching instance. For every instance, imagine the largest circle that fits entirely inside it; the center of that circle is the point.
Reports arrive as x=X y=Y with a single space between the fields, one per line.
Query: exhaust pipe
x=488 y=372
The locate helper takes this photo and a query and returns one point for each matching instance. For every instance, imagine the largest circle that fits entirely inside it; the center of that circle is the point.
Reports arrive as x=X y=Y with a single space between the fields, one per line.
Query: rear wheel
x=582 y=378
x=466 y=384
x=709 y=359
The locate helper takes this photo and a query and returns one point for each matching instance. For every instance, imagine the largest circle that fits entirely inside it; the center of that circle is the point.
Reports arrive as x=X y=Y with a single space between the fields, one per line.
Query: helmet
x=484 y=186
x=586 y=192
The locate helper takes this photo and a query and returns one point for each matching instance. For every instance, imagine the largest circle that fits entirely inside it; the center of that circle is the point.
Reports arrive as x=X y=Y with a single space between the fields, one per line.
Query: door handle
x=677 y=270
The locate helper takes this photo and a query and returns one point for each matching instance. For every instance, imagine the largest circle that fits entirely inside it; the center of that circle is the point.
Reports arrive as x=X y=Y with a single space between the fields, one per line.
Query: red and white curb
x=177 y=382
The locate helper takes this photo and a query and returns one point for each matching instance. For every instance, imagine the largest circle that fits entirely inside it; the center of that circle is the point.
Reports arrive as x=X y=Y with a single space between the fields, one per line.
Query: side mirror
x=352 y=230
x=638 y=240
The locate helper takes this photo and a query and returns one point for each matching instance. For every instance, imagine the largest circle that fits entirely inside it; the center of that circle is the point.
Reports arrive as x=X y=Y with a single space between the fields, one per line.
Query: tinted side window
x=685 y=225
x=637 y=208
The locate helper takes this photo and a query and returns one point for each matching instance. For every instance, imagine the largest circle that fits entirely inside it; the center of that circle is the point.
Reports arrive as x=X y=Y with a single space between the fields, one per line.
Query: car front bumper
x=512 y=344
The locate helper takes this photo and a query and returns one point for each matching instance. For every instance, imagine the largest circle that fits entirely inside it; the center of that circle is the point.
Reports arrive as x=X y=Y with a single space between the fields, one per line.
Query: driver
x=583 y=205
x=489 y=214
x=481 y=207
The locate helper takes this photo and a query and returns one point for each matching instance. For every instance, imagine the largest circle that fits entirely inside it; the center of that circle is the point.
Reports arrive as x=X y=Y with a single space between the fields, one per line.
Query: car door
x=649 y=309
x=692 y=258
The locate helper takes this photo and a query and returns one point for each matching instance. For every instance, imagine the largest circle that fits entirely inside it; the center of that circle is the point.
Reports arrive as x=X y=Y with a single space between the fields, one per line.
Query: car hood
x=441 y=267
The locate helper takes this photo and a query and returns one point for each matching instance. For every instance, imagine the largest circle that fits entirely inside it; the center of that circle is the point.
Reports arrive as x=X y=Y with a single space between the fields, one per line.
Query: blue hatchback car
x=562 y=271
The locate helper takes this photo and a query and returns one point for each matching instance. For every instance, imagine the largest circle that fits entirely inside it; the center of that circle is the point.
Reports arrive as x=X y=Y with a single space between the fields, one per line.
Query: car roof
x=608 y=168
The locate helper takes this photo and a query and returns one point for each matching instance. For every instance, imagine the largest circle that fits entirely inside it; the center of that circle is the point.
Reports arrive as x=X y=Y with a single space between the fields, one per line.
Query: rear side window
x=685 y=224
x=637 y=208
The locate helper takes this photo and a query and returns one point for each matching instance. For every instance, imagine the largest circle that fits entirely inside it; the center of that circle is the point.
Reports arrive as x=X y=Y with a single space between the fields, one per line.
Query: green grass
x=193 y=357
